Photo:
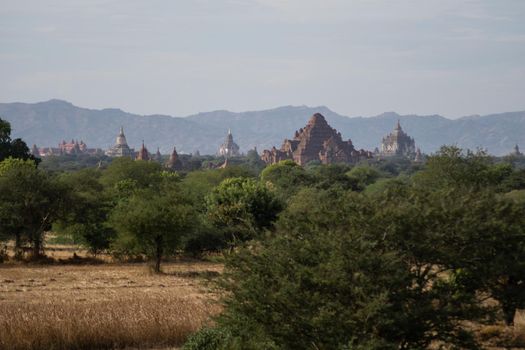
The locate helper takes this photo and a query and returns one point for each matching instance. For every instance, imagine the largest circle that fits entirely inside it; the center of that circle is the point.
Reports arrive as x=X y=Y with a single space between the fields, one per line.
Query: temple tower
x=398 y=143
x=229 y=148
x=121 y=148
x=174 y=163
x=143 y=154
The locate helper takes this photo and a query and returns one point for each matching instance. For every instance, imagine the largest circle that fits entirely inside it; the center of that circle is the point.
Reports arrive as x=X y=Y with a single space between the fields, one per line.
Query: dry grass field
x=103 y=306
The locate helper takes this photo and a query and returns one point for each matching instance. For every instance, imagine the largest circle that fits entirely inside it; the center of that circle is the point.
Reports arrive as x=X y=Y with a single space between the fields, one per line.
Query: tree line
x=387 y=254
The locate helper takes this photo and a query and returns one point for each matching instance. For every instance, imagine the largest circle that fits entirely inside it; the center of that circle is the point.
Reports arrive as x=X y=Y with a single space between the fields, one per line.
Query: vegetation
x=154 y=222
x=387 y=254
x=105 y=306
x=12 y=148
x=30 y=201
x=242 y=208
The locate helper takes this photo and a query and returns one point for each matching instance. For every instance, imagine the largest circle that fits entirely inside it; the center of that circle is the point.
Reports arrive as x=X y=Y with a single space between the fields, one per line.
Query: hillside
x=47 y=123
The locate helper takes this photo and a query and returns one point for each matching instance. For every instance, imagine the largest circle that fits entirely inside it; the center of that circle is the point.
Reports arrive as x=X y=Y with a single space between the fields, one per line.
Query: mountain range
x=48 y=123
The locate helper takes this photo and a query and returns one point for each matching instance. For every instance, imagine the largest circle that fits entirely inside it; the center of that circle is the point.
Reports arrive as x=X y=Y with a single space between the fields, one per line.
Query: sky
x=179 y=57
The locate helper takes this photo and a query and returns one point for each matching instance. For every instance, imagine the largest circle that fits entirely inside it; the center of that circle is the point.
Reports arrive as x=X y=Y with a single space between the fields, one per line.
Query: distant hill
x=48 y=123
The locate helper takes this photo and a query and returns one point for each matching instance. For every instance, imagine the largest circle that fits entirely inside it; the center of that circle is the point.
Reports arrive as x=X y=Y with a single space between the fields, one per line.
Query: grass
x=103 y=306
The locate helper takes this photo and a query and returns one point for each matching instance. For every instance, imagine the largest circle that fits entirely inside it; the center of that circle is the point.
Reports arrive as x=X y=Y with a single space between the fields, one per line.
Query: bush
x=204 y=240
x=207 y=339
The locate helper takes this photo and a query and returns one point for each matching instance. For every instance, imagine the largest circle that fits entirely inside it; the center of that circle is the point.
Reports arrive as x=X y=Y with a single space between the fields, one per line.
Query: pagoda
x=229 y=148
x=121 y=148
x=143 y=154
x=317 y=141
x=157 y=156
x=174 y=162
x=398 y=143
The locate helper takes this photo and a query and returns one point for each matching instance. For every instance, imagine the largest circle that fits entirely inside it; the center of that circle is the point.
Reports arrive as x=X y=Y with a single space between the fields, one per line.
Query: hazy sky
x=177 y=57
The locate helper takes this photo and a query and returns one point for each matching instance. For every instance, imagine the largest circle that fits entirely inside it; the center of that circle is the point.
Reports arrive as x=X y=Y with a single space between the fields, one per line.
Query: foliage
x=363 y=176
x=86 y=219
x=326 y=176
x=74 y=162
x=198 y=184
x=30 y=201
x=473 y=235
x=12 y=148
x=382 y=255
x=326 y=279
x=155 y=221
x=204 y=239
x=242 y=208
x=254 y=161
x=452 y=167
x=207 y=339
x=286 y=177
x=144 y=174
x=395 y=166
x=431 y=252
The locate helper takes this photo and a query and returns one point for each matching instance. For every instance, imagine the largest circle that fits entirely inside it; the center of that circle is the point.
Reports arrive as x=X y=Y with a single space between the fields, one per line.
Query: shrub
x=207 y=339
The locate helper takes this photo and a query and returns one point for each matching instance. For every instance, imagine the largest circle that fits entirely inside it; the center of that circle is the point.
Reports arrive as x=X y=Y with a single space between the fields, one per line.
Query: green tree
x=327 y=279
x=198 y=184
x=86 y=218
x=325 y=176
x=363 y=176
x=12 y=148
x=144 y=174
x=472 y=235
x=254 y=161
x=286 y=177
x=242 y=208
x=156 y=221
x=30 y=202
x=451 y=167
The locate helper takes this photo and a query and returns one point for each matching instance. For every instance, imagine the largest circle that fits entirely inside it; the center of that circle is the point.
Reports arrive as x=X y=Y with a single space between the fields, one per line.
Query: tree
x=286 y=177
x=254 y=161
x=325 y=176
x=472 y=235
x=12 y=148
x=30 y=202
x=363 y=176
x=453 y=167
x=326 y=280
x=143 y=174
x=156 y=221
x=87 y=216
x=243 y=208
x=198 y=184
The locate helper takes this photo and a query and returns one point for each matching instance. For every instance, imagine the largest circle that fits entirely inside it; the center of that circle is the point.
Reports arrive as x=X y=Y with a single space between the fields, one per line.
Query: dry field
x=103 y=306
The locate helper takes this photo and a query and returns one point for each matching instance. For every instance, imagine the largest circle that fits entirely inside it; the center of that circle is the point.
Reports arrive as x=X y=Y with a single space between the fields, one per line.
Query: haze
x=444 y=57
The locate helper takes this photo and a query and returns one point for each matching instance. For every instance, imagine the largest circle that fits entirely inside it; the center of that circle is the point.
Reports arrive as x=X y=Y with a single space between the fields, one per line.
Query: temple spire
x=229 y=148
x=121 y=147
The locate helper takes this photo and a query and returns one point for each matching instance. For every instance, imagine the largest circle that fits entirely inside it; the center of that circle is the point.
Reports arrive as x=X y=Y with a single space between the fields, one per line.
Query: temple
x=174 y=163
x=121 y=148
x=317 y=141
x=157 y=156
x=73 y=147
x=143 y=154
x=398 y=143
x=229 y=148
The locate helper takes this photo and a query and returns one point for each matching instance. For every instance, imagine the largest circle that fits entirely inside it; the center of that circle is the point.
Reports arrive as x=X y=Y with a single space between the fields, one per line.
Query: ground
x=68 y=306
